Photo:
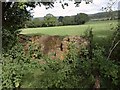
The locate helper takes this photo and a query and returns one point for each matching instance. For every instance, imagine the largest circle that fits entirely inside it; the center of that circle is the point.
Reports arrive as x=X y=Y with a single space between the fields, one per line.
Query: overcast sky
x=91 y=8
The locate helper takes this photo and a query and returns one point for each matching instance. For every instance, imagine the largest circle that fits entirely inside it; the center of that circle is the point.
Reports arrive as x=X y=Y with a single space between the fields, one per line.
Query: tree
x=81 y=18
x=109 y=9
x=50 y=20
x=14 y=14
x=68 y=20
x=60 y=19
x=73 y=20
x=37 y=22
x=28 y=24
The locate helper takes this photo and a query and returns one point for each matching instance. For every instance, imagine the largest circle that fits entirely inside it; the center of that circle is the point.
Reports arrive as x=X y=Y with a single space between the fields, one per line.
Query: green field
x=100 y=28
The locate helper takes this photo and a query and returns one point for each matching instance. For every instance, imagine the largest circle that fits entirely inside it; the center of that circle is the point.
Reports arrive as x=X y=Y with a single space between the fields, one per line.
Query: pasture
x=102 y=30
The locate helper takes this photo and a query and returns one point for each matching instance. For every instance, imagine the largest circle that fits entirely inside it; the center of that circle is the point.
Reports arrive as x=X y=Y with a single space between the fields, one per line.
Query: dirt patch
x=53 y=46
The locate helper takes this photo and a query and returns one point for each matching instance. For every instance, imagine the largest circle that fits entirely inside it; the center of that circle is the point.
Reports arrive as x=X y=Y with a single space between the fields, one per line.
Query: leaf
x=17 y=84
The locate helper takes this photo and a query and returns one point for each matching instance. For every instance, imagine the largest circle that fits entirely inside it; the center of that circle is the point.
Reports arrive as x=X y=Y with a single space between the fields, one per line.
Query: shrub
x=75 y=71
x=115 y=44
x=15 y=66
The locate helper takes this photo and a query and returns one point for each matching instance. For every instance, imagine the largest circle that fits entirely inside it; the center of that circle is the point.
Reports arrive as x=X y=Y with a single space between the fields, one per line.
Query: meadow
x=102 y=30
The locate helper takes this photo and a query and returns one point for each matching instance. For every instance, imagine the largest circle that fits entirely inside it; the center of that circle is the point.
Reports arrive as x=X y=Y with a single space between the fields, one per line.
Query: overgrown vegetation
x=89 y=68
x=77 y=70
x=115 y=44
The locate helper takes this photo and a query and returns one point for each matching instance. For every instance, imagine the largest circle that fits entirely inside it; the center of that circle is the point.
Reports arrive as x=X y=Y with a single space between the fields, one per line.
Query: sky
x=91 y=8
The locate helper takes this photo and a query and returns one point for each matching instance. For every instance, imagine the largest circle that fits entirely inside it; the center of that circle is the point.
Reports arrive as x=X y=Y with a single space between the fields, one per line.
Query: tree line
x=49 y=20
x=105 y=15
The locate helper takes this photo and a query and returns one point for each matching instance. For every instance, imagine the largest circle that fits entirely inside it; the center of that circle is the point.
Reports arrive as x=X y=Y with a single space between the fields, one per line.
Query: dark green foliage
x=81 y=18
x=104 y=15
x=13 y=16
x=78 y=19
x=60 y=19
x=107 y=69
x=75 y=71
x=57 y=74
x=37 y=22
x=29 y=24
x=50 y=20
x=68 y=20
x=15 y=66
x=8 y=39
x=115 y=44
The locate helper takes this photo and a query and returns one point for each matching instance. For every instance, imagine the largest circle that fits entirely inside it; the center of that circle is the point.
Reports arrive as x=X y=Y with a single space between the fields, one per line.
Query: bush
x=81 y=18
x=115 y=44
x=75 y=71
x=15 y=65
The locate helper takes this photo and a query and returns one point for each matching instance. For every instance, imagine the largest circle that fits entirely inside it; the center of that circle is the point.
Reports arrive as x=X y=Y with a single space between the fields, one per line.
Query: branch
x=114 y=41
x=113 y=49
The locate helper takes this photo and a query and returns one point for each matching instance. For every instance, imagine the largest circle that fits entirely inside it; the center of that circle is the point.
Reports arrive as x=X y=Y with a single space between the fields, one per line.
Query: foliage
x=81 y=18
x=28 y=24
x=109 y=9
x=76 y=71
x=14 y=14
x=60 y=19
x=33 y=23
x=56 y=74
x=8 y=39
x=104 y=15
x=68 y=20
x=115 y=44
x=37 y=22
x=15 y=66
x=50 y=20
x=74 y=20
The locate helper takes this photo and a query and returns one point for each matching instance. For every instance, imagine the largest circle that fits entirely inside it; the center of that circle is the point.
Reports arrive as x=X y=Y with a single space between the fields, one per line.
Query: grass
x=101 y=30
